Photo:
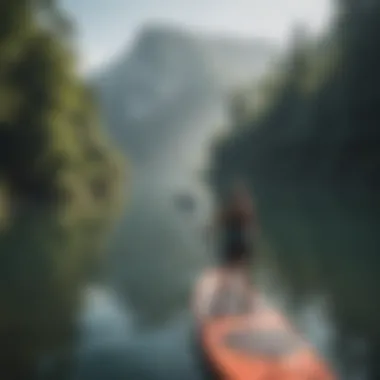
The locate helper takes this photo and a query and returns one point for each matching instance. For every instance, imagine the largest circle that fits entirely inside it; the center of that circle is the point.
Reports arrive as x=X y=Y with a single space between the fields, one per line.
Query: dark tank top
x=235 y=230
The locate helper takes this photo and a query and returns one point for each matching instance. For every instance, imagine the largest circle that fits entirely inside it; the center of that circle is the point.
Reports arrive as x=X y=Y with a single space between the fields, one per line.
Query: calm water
x=158 y=254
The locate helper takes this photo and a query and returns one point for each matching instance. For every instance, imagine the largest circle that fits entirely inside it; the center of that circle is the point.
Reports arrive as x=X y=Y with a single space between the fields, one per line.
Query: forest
x=61 y=184
x=307 y=141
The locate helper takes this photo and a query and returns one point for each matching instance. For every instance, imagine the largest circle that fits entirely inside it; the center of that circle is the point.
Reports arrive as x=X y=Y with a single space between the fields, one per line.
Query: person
x=237 y=228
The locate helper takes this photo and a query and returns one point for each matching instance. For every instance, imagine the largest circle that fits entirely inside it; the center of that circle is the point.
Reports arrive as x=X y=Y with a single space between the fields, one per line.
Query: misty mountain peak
x=162 y=33
x=171 y=80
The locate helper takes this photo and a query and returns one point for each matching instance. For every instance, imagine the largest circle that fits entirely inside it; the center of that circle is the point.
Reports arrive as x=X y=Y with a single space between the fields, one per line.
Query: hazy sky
x=107 y=26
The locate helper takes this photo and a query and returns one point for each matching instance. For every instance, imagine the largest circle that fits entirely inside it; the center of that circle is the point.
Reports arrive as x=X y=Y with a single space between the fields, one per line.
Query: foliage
x=311 y=155
x=61 y=184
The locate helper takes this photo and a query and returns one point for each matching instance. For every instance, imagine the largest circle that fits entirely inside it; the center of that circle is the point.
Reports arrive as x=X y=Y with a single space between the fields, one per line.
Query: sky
x=107 y=27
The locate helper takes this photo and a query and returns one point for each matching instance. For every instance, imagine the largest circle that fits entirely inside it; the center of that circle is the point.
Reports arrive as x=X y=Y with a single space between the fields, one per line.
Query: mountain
x=162 y=100
x=236 y=62
x=170 y=88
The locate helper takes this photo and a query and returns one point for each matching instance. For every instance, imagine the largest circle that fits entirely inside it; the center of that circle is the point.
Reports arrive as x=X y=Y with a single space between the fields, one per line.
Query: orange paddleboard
x=250 y=340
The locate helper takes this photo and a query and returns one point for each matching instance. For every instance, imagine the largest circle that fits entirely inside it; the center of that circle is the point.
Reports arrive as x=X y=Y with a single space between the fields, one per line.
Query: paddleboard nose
x=254 y=343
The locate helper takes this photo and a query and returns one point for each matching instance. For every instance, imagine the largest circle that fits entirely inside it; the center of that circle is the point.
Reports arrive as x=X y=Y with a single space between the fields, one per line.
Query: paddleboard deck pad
x=242 y=337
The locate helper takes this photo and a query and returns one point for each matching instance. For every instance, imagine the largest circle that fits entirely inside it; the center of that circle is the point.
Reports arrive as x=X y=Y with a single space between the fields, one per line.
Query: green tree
x=312 y=158
x=61 y=185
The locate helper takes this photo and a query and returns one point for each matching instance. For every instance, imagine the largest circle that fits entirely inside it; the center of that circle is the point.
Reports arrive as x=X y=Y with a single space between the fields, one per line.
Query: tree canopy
x=311 y=154
x=61 y=183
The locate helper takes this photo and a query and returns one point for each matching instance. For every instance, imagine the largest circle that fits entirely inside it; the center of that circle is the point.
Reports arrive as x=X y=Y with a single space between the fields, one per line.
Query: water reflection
x=111 y=349
x=104 y=321
x=159 y=255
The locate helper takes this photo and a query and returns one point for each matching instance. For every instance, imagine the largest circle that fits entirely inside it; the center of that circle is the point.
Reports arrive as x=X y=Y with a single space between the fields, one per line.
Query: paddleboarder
x=236 y=226
x=250 y=340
